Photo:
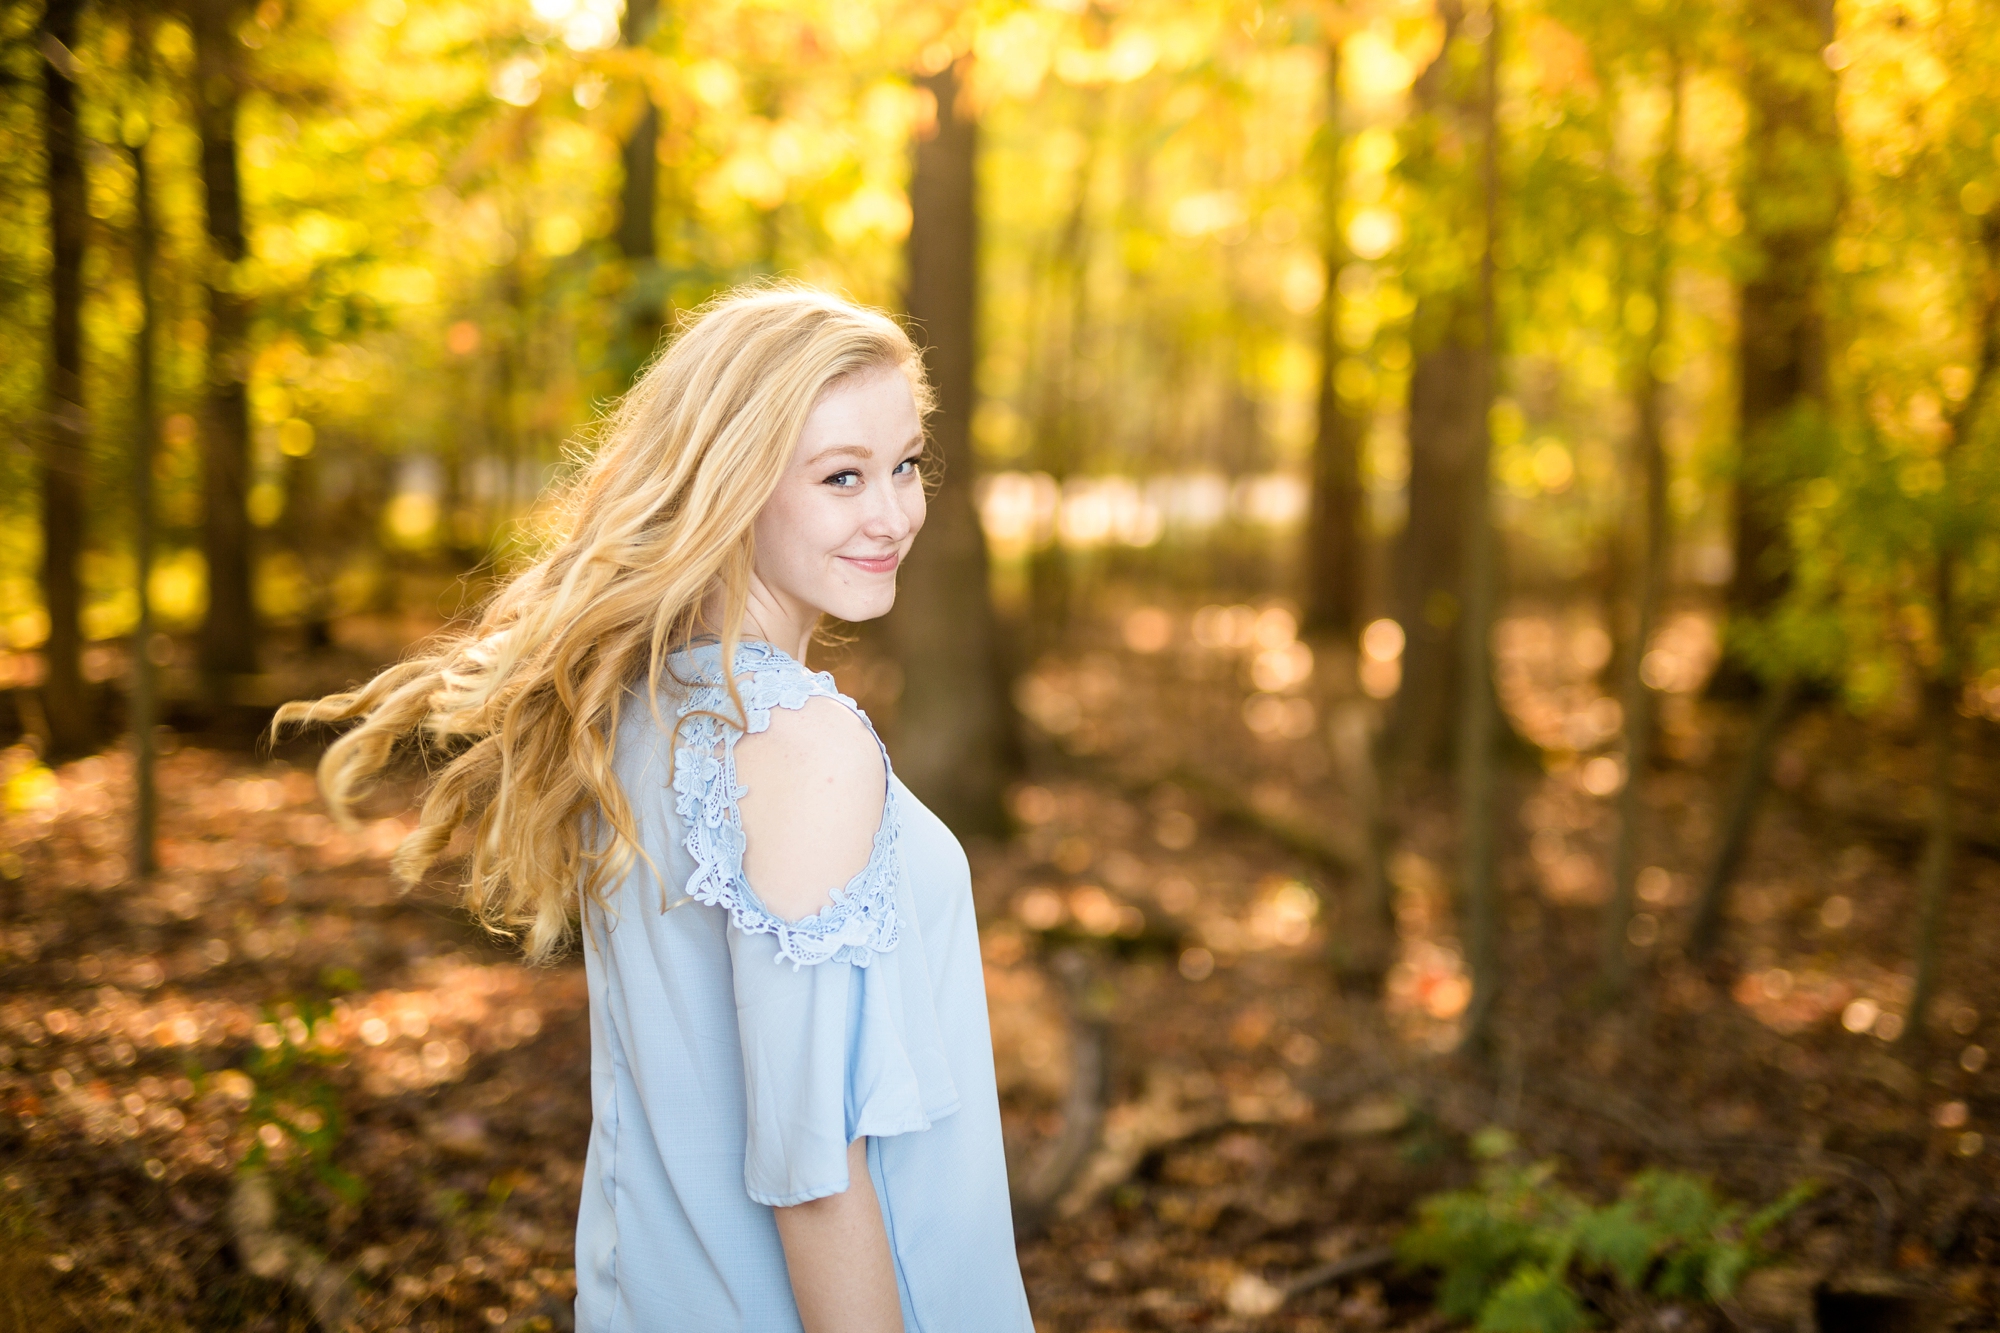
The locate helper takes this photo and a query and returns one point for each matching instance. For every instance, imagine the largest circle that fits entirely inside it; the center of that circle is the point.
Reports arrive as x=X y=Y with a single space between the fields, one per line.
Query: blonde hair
x=521 y=705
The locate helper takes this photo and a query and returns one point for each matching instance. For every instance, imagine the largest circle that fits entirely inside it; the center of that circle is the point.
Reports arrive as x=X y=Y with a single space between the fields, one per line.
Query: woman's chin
x=855 y=609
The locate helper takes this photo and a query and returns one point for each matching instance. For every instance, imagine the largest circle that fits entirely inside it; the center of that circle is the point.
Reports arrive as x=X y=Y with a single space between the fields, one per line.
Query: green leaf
x=1725 y=1268
x=1678 y=1207
x=1533 y=1300
x=1616 y=1238
x=1461 y=1235
x=1777 y=1211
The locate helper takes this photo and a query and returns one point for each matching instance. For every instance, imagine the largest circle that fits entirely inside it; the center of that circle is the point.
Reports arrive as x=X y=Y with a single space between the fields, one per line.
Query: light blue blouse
x=735 y=1055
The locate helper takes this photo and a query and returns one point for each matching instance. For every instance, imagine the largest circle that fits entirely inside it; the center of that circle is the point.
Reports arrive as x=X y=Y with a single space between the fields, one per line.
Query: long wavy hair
x=517 y=709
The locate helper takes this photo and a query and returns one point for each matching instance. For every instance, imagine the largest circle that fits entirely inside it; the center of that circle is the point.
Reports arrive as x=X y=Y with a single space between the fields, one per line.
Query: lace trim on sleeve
x=861 y=920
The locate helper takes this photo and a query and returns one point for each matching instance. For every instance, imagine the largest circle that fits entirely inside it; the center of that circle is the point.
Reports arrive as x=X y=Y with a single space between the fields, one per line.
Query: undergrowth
x=1523 y=1253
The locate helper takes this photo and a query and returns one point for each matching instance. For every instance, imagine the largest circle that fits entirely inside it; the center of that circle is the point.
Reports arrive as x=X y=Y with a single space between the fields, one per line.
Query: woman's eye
x=845 y=479
x=906 y=467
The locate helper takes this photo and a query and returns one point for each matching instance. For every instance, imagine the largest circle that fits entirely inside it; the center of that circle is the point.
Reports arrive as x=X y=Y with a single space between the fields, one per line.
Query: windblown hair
x=518 y=708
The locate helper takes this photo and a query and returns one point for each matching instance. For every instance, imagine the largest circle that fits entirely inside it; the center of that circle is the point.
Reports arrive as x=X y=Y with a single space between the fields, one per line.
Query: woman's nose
x=887 y=517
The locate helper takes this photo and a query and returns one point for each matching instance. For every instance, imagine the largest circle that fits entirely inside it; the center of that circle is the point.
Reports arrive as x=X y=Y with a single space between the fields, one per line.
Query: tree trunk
x=1791 y=201
x=1790 y=197
x=641 y=151
x=229 y=632
x=1477 y=712
x=1445 y=431
x=145 y=435
x=642 y=174
x=1941 y=834
x=1651 y=571
x=953 y=723
x=1334 y=534
x=1447 y=427
x=1940 y=843
x=64 y=698
x=638 y=196
x=1774 y=710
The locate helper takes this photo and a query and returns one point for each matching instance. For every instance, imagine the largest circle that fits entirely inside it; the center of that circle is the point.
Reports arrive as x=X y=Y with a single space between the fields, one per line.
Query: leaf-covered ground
x=420 y=1100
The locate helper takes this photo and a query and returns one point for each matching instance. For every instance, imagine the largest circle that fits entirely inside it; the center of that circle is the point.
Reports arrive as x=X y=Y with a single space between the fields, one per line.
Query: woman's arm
x=838 y=1255
x=815 y=795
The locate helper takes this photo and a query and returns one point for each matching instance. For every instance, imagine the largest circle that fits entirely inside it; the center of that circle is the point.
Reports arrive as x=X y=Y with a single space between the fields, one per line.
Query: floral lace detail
x=861 y=920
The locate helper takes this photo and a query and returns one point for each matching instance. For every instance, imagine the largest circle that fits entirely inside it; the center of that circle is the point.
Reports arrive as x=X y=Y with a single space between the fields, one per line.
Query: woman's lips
x=881 y=564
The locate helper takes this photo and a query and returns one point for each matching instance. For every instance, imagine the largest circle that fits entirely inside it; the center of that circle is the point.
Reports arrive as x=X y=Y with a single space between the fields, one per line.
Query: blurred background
x=1458 y=628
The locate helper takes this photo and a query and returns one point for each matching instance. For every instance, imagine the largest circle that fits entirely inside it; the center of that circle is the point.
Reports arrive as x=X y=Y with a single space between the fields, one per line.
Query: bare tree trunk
x=954 y=732
x=638 y=197
x=1362 y=951
x=145 y=436
x=1651 y=574
x=1940 y=842
x=1333 y=536
x=229 y=632
x=641 y=151
x=1791 y=201
x=1774 y=710
x=64 y=698
x=1941 y=834
x=1477 y=713
x=1447 y=426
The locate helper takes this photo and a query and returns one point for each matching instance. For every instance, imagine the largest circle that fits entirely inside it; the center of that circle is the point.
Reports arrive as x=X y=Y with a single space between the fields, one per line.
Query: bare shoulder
x=823 y=747
x=815 y=788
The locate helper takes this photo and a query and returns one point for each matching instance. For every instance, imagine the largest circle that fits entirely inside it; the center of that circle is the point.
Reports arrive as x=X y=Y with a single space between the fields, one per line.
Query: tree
x=1952 y=534
x=64 y=423
x=1650 y=570
x=1335 y=585
x=1334 y=525
x=1447 y=424
x=1790 y=193
x=1790 y=196
x=1739 y=813
x=1478 y=720
x=638 y=195
x=145 y=246
x=229 y=631
x=955 y=737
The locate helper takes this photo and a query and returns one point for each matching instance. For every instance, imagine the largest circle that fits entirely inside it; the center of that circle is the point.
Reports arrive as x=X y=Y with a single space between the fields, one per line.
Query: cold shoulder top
x=735 y=1055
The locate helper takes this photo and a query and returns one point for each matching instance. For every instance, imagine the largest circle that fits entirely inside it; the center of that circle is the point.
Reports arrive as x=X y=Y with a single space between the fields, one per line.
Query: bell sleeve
x=835 y=1012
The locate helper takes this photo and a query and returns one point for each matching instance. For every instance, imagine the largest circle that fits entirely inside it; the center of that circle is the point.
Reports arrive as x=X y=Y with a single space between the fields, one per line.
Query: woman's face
x=831 y=536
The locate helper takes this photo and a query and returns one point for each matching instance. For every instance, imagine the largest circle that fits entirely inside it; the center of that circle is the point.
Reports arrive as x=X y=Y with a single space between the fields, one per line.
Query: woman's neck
x=776 y=620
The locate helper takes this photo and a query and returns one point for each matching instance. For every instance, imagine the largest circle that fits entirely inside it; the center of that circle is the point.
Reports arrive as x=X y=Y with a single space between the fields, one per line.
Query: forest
x=1457 y=628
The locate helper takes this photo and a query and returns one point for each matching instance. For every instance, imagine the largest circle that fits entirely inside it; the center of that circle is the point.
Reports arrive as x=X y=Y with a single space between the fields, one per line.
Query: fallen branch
x=1354 y=1265
x=1047 y=1177
x=1255 y=1296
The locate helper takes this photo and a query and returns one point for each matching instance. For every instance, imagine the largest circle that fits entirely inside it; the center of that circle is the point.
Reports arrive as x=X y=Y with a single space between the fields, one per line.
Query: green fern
x=1510 y=1255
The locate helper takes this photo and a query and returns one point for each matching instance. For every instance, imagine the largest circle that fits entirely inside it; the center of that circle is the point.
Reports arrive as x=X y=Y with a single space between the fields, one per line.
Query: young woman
x=795 y=1123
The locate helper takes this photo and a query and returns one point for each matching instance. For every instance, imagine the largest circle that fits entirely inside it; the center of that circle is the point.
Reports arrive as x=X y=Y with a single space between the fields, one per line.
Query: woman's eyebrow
x=858 y=450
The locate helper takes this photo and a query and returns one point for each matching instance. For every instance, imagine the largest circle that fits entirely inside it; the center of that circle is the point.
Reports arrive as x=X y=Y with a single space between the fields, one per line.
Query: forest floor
x=269 y=1054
